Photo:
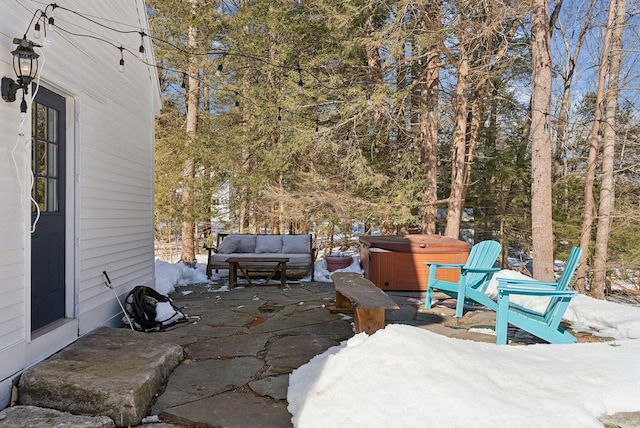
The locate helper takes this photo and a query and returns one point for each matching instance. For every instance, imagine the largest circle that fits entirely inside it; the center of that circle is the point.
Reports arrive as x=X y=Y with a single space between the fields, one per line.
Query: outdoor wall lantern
x=25 y=65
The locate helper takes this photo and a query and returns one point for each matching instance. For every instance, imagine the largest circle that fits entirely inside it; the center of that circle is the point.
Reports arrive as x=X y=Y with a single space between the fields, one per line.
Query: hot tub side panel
x=400 y=271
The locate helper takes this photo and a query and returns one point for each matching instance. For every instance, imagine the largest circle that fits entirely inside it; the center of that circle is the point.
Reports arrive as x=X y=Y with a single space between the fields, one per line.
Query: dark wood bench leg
x=283 y=274
x=209 y=267
x=369 y=320
x=233 y=274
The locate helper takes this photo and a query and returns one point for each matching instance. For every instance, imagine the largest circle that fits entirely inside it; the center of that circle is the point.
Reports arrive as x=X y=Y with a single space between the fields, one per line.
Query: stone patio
x=239 y=348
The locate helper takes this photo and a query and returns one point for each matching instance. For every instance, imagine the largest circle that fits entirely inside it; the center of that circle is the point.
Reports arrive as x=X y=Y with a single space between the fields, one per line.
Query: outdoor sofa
x=297 y=248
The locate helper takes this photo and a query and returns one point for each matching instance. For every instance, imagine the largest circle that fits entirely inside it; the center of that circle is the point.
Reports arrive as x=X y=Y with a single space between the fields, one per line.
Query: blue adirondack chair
x=546 y=324
x=475 y=275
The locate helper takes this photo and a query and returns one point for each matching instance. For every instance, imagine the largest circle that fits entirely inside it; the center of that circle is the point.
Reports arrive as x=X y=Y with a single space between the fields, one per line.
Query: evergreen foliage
x=310 y=116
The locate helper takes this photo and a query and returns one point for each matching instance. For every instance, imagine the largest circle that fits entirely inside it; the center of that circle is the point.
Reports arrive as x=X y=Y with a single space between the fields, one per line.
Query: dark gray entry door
x=48 y=238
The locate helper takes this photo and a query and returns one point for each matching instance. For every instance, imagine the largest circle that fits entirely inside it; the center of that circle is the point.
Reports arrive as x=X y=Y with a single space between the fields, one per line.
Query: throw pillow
x=229 y=244
x=271 y=244
x=247 y=244
x=296 y=244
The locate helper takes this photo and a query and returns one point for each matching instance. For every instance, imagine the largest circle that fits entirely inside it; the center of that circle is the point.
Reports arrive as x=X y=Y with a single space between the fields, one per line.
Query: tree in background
x=541 y=218
x=607 y=188
x=594 y=149
x=314 y=113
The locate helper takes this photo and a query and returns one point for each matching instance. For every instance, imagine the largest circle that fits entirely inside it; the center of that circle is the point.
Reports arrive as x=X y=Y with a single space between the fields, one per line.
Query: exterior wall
x=109 y=186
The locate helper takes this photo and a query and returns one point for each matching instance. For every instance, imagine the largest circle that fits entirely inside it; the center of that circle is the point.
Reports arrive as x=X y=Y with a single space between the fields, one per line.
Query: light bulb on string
x=36 y=30
x=300 y=82
x=141 y=49
x=220 y=66
x=121 y=66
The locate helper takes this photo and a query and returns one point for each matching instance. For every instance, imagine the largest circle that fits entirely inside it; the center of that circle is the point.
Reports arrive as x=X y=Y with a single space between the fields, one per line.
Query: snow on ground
x=404 y=376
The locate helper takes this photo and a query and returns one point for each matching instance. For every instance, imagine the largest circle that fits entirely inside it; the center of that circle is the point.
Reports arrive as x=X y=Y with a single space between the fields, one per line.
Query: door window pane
x=45 y=158
x=52 y=125
x=52 y=160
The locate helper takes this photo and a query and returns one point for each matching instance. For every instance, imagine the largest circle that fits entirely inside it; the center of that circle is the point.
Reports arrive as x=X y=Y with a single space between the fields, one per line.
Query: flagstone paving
x=240 y=346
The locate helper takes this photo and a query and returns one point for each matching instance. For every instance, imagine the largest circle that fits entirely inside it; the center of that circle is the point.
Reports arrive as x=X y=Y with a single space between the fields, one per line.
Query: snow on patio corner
x=409 y=377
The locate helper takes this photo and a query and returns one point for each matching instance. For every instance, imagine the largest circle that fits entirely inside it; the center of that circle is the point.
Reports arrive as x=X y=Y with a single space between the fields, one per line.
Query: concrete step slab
x=38 y=417
x=111 y=372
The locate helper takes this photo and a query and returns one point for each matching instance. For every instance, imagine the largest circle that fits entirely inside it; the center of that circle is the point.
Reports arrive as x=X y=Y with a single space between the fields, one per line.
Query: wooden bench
x=353 y=291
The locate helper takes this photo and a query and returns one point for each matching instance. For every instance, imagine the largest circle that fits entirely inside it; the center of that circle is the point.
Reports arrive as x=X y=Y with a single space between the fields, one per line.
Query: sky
x=405 y=376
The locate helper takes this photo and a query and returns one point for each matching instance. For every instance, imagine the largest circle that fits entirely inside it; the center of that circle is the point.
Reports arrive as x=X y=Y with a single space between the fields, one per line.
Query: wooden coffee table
x=272 y=265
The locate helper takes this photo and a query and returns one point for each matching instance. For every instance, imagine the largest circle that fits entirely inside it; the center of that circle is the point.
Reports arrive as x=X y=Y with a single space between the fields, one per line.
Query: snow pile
x=408 y=377
x=169 y=276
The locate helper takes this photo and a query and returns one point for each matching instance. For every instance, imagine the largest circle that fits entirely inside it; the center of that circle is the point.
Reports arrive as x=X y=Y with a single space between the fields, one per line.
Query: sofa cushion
x=296 y=244
x=298 y=261
x=247 y=244
x=269 y=244
x=229 y=244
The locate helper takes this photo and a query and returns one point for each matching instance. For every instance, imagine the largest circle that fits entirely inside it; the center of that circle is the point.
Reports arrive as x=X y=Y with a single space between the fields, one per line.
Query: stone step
x=112 y=372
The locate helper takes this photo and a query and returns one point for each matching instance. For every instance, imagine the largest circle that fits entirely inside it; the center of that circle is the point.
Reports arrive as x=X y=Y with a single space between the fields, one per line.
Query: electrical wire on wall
x=23 y=140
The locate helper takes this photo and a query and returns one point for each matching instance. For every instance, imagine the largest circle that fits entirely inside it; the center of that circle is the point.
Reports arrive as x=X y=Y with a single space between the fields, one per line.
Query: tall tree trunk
x=607 y=186
x=242 y=199
x=188 y=252
x=541 y=212
x=459 y=150
x=208 y=208
x=565 y=105
x=592 y=160
x=429 y=123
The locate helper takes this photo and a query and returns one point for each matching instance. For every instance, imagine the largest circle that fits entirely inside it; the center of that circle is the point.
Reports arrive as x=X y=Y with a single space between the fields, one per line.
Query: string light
x=220 y=66
x=121 y=67
x=141 y=49
x=50 y=22
x=546 y=121
x=300 y=82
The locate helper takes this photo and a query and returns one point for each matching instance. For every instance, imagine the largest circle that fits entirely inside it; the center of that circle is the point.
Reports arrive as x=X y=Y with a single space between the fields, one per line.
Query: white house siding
x=109 y=178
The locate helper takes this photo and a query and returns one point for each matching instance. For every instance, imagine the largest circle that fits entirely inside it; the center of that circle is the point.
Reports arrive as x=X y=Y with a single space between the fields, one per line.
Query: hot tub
x=397 y=262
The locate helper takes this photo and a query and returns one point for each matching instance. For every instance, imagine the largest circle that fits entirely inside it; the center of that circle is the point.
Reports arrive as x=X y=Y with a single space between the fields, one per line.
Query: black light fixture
x=25 y=65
